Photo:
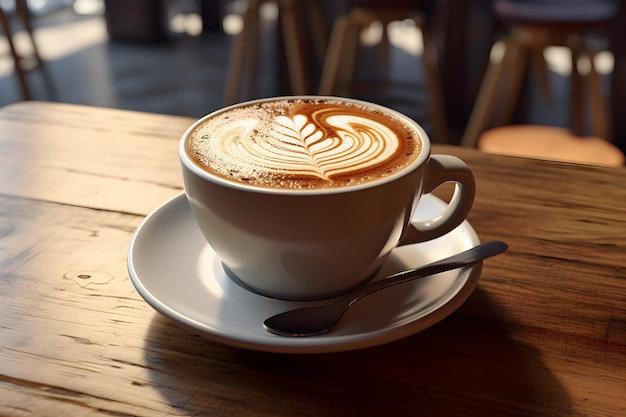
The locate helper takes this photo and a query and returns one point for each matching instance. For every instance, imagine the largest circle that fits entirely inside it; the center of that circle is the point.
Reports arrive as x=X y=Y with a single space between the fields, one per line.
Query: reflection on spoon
x=311 y=321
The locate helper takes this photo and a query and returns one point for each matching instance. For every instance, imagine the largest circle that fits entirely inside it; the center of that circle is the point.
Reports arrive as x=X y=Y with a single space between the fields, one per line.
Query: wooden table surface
x=544 y=334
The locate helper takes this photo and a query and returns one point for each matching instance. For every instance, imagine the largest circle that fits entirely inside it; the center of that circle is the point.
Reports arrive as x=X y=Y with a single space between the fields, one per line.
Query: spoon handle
x=468 y=257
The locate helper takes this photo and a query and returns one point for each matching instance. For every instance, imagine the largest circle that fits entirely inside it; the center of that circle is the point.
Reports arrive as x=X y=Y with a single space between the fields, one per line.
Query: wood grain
x=543 y=335
x=124 y=161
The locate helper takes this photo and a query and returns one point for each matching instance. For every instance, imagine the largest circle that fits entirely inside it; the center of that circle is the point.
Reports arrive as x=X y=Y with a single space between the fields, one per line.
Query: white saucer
x=177 y=273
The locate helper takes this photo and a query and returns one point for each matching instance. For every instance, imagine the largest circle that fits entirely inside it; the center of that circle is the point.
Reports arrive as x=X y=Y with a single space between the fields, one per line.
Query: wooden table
x=544 y=334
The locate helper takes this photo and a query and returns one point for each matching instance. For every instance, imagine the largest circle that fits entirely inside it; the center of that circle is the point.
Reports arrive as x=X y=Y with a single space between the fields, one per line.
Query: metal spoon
x=311 y=321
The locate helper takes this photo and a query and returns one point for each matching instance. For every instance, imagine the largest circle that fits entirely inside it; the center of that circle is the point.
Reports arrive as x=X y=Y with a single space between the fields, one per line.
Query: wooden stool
x=547 y=142
x=534 y=25
x=294 y=34
x=339 y=65
x=21 y=70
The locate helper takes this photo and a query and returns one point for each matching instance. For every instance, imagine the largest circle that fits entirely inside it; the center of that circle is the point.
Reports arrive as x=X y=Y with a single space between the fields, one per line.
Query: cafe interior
x=115 y=304
x=538 y=78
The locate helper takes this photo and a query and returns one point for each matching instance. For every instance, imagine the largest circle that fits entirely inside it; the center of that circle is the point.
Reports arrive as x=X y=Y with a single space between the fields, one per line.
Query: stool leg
x=433 y=85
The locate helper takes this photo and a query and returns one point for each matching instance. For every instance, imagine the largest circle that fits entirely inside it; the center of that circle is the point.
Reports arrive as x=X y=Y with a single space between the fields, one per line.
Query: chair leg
x=334 y=55
x=246 y=46
x=318 y=28
x=357 y=21
x=237 y=55
x=541 y=69
x=24 y=13
x=495 y=76
x=294 y=46
x=599 y=109
x=433 y=85
x=253 y=45
x=19 y=71
x=517 y=66
x=577 y=102
x=383 y=51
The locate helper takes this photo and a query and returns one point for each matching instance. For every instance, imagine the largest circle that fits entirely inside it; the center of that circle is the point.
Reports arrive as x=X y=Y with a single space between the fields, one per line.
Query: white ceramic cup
x=318 y=243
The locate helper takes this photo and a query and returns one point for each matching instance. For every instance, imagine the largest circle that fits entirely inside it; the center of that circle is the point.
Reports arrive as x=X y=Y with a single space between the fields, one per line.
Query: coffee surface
x=304 y=143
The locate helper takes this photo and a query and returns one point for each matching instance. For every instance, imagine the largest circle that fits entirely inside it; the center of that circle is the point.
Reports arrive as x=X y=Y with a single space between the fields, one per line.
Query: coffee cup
x=304 y=197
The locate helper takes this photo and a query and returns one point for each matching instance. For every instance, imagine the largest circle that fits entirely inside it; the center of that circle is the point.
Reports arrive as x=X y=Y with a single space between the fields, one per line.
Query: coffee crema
x=304 y=143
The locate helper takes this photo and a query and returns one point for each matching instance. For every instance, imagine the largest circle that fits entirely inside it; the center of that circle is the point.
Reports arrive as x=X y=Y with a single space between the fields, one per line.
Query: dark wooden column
x=618 y=83
x=212 y=14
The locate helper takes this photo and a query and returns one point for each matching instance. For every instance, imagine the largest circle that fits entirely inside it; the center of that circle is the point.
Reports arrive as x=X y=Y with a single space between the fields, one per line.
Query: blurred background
x=190 y=57
x=157 y=64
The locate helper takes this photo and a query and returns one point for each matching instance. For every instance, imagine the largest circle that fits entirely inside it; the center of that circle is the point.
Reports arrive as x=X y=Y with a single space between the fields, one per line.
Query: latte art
x=303 y=144
x=296 y=146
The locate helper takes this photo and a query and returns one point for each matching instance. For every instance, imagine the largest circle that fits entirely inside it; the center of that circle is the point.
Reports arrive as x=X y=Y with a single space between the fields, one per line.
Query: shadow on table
x=484 y=372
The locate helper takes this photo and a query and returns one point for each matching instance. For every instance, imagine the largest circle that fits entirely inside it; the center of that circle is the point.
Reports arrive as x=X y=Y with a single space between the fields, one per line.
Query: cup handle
x=442 y=169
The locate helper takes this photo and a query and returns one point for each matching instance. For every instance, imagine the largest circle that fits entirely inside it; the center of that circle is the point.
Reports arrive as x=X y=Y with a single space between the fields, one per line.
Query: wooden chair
x=301 y=20
x=339 y=65
x=21 y=69
x=531 y=26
